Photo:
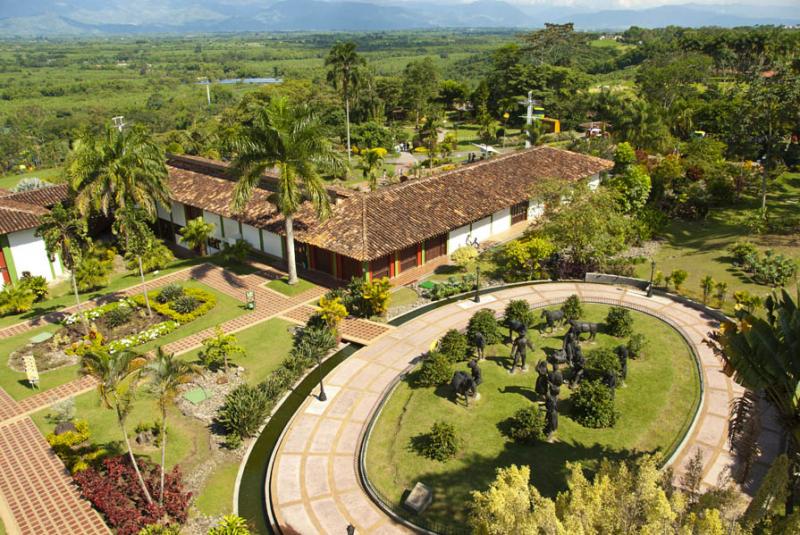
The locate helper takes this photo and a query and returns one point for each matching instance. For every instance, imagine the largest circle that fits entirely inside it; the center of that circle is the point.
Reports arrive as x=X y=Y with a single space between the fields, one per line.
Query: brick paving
x=356 y=330
x=315 y=483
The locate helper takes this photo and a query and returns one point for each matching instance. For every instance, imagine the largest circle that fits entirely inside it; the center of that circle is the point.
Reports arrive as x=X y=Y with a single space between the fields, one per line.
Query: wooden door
x=4 y=269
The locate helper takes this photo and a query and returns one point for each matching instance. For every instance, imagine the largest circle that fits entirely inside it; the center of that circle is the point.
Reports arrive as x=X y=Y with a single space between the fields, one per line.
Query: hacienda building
x=401 y=231
x=21 y=251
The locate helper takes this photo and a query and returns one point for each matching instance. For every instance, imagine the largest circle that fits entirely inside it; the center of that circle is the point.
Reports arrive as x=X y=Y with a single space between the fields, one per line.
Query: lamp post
x=351 y=529
x=652 y=273
x=322 y=396
x=477 y=283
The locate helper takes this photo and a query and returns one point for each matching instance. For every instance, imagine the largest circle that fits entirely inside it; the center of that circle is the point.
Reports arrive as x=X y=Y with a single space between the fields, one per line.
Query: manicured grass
x=700 y=247
x=216 y=498
x=656 y=406
x=50 y=175
x=402 y=296
x=289 y=290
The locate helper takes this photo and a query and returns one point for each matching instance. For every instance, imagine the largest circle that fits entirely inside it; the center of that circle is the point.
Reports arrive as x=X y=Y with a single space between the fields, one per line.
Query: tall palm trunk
x=347 y=124
x=144 y=289
x=163 y=452
x=290 y=249
x=78 y=303
x=121 y=421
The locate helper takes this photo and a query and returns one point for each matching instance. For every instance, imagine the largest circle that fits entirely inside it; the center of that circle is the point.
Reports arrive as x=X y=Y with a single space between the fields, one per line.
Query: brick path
x=315 y=484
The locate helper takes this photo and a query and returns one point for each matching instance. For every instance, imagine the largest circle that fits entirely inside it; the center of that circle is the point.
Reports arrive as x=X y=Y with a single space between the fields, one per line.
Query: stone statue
x=519 y=351
x=554 y=382
x=578 y=365
x=518 y=327
x=578 y=327
x=551 y=414
x=480 y=344
x=622 y=354
x=477 y=375
x=552 y=318
x=541 y=387
x=463 y=385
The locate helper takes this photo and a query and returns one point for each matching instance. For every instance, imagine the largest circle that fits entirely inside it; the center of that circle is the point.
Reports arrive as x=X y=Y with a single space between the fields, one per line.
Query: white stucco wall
x=29 y=254
x=231 y=229
x=481 y=229
x=501 y=221
x=251 y=236
x=457 y=238
x=535 y=210
x=211 y=217
x=272 y=244
x=178 y=215
x=163 y=211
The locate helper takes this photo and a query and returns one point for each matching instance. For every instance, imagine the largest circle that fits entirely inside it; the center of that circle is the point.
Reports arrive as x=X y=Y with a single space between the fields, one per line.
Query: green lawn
x=50 y=175
x=700 y=247
x=216 y=498
x=402 y=296
x=656 y=406
x=289 y=290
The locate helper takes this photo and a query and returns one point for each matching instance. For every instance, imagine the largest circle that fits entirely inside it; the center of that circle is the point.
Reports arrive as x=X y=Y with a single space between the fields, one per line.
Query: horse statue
x=463 y=385
x=580 y=327
x=552 y=318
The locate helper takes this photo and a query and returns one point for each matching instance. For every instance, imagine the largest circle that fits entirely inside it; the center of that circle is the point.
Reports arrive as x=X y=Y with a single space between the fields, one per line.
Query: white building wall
x=481 y=229
x=163 y=211
x=211 y=217
x=29 y=254
x=231 y=229
x=457 y=238
x=501 y=221
x=272 y=244
x=178 y=215
x=535 y=211
x=251 y=236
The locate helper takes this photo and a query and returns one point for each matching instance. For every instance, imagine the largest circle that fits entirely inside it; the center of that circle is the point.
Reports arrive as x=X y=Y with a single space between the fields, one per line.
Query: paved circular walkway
x=315 y=485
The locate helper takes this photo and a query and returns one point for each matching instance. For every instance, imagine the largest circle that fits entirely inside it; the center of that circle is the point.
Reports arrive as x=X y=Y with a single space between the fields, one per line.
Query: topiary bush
x=636 y=345
x=619 y=322
x=436 y=369
x=184 y=304
x=483 y=321
x=441 y=443
x=572 y=308
x=170 y=292
x=528 y=425
x=519 y=310
x=244 y=410
x=453 y=345
x=593 y=405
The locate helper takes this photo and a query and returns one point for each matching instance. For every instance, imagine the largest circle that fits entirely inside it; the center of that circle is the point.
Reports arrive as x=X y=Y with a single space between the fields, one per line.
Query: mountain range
x=38 y=18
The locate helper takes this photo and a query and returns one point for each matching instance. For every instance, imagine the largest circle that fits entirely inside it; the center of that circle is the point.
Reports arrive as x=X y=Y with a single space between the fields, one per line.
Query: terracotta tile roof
x=16 y=215
x=47 y=196
x=372 y=225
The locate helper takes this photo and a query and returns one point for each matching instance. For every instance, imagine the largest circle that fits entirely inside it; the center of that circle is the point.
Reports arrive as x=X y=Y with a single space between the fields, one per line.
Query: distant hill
x=35 y=18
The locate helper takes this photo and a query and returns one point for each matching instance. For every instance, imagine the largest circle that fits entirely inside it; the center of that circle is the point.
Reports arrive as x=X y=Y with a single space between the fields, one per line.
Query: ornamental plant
x=593 y=404
x=230 y=525
x=332 y=311
x=375 y=295
x=464 y=256
x=15 y=299
x=436 y=369
x=519 y=310
x=244 y=410
x=483 y=321
x=36 y=284
x=168 y=293
x=619 y=322
x=603 y=363
x=707 y=284
x=636 y=345
x=678 y=277
x=95 y=268
x=441 y=443
x=453 y=345
x=219 y=349
x=572 y=308
x=528 y=425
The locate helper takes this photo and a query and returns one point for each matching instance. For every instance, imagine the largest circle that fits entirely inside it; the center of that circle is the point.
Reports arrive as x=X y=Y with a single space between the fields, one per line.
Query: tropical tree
x=219 y=348
x=196 y=233
x=371 y=163
x=762 y=351
x=117 y=376
x=166 y=374
x=345 y=73
x=130 y=222
x=291 y=138
x=707 y=284
x=64 y=233
x=429 y=135
x=116 y=169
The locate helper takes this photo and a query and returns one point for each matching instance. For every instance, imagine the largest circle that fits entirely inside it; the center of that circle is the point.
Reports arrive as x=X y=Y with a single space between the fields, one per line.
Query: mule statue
x=580 y=327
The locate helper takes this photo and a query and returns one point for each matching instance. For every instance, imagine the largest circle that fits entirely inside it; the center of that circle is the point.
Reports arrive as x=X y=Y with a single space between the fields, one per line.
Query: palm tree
x=345 y=74
x=131 y=223
x=291 y=138
x=429 y=135
x=371 y=162
x=117 y=376
x=116 y=169
x=196 y=233
x=166 y=374
x=64 y=233
x=763 y=354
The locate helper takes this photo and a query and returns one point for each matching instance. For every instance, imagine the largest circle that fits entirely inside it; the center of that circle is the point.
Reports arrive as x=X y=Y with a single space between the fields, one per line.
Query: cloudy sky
x=625 y=4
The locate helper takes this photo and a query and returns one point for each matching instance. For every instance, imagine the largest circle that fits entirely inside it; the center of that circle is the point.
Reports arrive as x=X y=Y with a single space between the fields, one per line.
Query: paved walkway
x=315 y=485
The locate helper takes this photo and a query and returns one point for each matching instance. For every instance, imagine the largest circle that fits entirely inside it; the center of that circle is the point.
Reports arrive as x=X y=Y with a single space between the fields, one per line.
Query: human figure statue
x=568 y=346
x=551 y=414
x=519 y=350
x=541 y=386
x=554 y=382
x=518 y=327
x=477 y=375
x=622 y=354
x=480 y=344
x=578 y=365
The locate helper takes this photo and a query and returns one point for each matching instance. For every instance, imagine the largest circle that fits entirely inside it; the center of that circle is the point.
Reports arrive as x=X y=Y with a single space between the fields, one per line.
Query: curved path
x=315 y=485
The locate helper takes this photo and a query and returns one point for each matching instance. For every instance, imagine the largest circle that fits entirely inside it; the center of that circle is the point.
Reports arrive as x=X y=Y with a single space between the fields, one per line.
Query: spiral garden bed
x=656 y=407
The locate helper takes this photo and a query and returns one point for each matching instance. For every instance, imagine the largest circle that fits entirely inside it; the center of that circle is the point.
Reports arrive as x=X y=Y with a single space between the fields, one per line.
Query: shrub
x=366 y=299
x=219 y=349
x=118 y=316
x=168 y=293
x=311 y=343
x=114 y=490
x=436 y=369
x=593 y=403
x=678 y=277
x=441 y=443
x=332 y=311
x=483 y=321
x=741 y=250
x=519 y=310
x=36 y=284
x=160 y=529
x=464 y=256
x=207 y=302
x=774 y=269
x=572 y=308
x=707 y=284
x=244 y=410
x=522 y=259
x=184 y=304
x=636 y=345
x=62 y=411
x=73 y=449
x=453 y=345
x=15 y=299
x=237 y=252
x=528 y=424
x=95 y=268
x=601 y=363
x=158 y=256
x=230 y=525
x=619 y=322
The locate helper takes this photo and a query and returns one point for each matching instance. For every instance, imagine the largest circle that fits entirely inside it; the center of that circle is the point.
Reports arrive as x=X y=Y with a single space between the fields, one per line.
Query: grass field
x=655 y=405
x=289 y=290
x=50 y=175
